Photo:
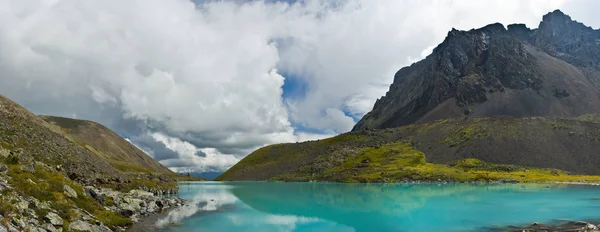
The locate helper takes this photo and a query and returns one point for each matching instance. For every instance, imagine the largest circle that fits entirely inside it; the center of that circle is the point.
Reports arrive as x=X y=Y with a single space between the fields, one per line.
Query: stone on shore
x=140 y=193
x=87 y=227
x=589 y=227
x=50 y=228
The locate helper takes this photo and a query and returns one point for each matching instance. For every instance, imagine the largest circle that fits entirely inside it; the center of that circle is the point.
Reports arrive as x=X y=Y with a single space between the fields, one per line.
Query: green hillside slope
x=484 y=148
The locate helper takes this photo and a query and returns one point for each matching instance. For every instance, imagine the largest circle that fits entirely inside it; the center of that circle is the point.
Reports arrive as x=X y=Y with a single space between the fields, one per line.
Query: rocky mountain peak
x=556 y=16
x=495 y=70
x=567 y=39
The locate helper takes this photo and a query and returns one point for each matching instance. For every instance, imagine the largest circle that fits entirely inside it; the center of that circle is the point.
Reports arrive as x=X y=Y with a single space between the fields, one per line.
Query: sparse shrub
x=6 y=208
x=12 y=159
x=112 y=219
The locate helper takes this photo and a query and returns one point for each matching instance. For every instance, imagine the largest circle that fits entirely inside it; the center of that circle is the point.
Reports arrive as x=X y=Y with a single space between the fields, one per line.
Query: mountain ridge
x=106 y=143
x=497 y=71
x=488 y=104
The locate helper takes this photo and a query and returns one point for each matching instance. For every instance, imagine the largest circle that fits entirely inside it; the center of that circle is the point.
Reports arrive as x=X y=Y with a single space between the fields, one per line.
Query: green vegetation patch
x=595 y=118
x=464 y=135
x=279 y=154
x=396 y=162
x=151 y=185
x=47 y=185
x=6 y=207
x=471 y=78
x=129 y=167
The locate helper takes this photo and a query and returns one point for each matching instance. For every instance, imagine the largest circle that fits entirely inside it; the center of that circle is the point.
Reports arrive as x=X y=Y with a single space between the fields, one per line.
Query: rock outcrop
x=21 y=213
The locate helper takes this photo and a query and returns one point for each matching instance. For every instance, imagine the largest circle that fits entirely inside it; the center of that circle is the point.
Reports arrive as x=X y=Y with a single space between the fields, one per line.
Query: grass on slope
x=396 y=154
x=400 y=162
x=47 y=186
x=280 y=154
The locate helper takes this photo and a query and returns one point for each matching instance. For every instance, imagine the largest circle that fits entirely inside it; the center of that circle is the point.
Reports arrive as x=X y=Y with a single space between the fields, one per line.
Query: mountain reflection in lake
x=264 y=206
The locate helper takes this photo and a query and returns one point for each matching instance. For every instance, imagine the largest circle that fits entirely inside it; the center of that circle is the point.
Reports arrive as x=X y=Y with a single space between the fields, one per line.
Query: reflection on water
x=210 y=197
x=262 y=206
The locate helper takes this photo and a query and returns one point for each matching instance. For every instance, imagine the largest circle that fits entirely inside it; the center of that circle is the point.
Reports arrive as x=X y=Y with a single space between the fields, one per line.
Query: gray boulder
x=84 y=226
x=80 y=226
x=50 y=228
x=28 y=168
x=53 y=219
x=35 y=229
x=151 y=207
x=69 y=192
x=3 y=168
x=19 y=223
x=95 y=195
x=140 y=193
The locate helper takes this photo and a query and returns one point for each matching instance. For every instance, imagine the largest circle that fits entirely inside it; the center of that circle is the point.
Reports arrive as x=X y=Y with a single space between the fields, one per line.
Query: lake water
x=265 y=207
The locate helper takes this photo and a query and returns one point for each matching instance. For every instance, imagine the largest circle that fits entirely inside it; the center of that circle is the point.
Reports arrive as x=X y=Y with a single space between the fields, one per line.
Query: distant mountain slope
x=75 y=174
x=29 y=138
x=108 y=145
x=483 y=148
x=550 y=71
x=86 y=152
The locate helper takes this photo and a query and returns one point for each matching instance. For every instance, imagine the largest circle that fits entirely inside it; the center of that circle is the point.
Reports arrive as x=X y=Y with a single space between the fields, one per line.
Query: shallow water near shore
x=264 y=206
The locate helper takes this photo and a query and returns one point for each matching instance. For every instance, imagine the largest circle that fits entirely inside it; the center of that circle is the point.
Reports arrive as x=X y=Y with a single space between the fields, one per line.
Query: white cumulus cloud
x=201 y=83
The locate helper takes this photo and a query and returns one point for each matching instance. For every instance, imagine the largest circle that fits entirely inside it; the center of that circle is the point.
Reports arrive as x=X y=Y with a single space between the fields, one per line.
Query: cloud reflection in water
x=208 y=204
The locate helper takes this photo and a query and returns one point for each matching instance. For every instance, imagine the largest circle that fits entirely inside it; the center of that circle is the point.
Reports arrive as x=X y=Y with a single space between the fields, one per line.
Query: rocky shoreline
x=559 y=225
x=135 y=205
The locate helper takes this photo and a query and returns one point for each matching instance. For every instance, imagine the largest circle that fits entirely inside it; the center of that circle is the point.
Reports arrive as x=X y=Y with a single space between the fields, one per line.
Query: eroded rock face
x=491 y=71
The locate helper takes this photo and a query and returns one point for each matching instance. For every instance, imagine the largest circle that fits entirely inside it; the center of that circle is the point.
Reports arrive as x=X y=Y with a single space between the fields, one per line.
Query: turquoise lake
x=265 y=207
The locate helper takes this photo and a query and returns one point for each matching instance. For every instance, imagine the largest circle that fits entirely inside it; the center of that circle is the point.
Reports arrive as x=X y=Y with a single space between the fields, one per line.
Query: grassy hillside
x=105 y=143
x=483 y=148
x=28 y=138
x=53 y=169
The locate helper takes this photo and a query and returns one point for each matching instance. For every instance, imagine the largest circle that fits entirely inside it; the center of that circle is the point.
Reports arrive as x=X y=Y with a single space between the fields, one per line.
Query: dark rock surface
x=550 y=71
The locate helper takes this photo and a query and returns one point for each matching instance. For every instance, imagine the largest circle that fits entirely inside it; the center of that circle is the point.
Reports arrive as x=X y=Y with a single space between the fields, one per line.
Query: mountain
x=495 y=103
x=482 y=148
x=551 y=71
x=72 y=174
x=86 y=151
x=106 y=144
x=206 y=175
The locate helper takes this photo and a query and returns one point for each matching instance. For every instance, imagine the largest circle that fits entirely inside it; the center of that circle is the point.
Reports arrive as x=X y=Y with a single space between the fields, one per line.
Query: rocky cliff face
x=550 y=71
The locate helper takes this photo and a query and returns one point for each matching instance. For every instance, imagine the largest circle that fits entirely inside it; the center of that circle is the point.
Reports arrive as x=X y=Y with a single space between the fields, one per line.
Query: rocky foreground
x=56 y=174
x=570 y=226
x=34 y=215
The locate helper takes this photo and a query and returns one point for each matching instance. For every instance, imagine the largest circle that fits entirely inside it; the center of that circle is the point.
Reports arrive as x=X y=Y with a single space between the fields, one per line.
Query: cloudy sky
x=200 y=84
